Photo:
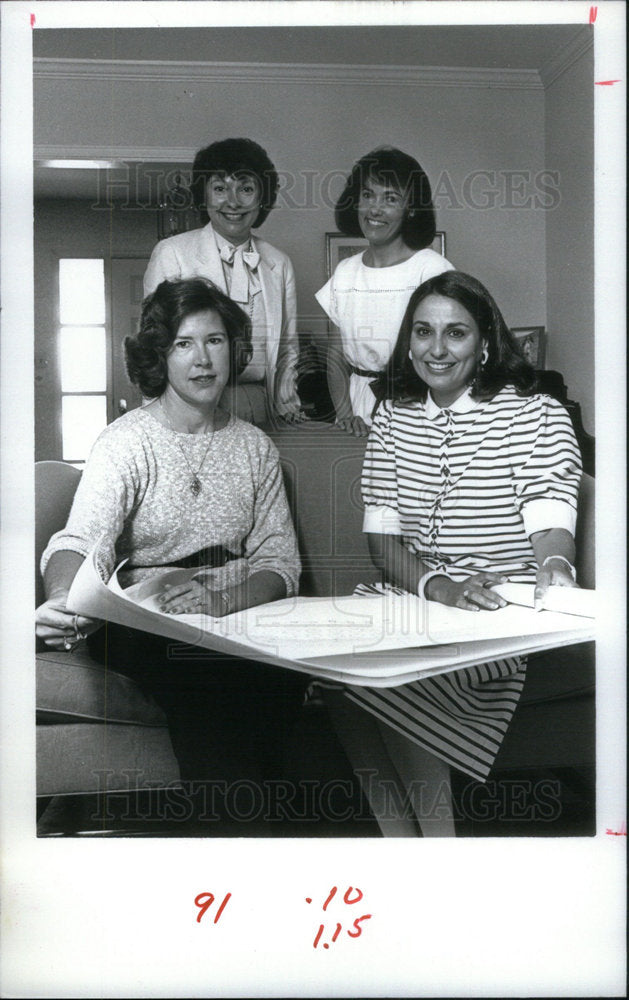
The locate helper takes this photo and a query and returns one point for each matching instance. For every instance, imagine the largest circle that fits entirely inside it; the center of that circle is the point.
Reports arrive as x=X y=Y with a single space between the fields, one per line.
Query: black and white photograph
x=312 y=617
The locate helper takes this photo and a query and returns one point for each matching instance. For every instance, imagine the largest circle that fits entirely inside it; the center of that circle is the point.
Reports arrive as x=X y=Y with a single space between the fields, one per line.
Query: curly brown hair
x=163 y=312
x=229 y=158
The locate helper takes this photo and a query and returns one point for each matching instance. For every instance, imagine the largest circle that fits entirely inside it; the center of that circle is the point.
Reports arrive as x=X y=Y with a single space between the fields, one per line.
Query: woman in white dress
x=388 y=201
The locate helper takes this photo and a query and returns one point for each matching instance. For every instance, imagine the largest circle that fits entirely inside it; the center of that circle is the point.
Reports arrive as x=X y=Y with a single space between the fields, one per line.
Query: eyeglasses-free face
x=198 y=360
x=381 y=212
x=232 y=204
x=445 y=347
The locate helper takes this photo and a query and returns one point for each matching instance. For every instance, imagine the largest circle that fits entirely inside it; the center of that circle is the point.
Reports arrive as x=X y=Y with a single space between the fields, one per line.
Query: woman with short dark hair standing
x=234 y=187
x=387 y=200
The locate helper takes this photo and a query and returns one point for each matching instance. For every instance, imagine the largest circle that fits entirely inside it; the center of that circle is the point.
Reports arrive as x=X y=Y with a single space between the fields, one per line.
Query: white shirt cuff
x=541 y=515
x=382 y=521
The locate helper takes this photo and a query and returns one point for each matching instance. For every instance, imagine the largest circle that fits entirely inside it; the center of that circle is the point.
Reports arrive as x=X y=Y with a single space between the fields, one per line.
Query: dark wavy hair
x=229 y=158
x=388 y=165
x=163 y=312
x=505 y=364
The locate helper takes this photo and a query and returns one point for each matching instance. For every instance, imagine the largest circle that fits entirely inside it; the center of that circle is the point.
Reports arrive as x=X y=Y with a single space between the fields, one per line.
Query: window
x=82 y=348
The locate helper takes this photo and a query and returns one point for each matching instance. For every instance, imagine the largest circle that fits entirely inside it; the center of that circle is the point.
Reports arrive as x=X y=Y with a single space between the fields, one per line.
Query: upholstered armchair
x=97 y=732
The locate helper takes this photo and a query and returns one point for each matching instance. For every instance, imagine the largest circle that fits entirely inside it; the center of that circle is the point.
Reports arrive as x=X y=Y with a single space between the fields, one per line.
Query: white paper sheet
x=340 y=638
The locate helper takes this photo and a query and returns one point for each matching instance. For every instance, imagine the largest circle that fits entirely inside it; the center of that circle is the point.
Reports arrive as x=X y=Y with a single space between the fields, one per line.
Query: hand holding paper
x=556 y=572
x=565 y=600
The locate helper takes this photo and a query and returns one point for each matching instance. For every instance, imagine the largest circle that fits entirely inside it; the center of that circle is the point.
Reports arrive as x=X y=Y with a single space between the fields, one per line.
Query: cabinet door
x=126 y=306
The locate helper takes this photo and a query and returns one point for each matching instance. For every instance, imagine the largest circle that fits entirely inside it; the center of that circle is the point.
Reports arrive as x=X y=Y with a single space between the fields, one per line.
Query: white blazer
x=195 y=254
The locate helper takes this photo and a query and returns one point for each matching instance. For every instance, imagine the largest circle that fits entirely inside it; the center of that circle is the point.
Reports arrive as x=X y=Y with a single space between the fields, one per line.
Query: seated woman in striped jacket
x=470 y=479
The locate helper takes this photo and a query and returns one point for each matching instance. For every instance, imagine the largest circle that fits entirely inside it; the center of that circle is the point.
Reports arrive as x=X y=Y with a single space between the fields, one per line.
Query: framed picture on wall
x=338 y=247
x=532 y=341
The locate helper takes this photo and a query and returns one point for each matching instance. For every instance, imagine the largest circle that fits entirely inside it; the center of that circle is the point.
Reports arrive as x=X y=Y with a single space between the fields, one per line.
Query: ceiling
x=478 y=46
x=513 y=47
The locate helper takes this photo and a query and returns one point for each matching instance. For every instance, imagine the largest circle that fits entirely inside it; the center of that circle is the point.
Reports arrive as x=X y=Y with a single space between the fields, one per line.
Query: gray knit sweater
x=135 y=491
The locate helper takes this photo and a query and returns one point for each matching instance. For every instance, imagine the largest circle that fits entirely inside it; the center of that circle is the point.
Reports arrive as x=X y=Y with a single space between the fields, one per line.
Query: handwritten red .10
x=351 y=897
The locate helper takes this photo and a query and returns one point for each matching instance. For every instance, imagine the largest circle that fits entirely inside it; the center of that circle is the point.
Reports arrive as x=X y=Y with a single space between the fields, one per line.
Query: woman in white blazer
x=234 y=184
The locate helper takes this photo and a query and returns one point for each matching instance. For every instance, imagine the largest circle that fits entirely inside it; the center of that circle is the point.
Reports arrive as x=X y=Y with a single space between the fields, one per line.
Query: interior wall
x=570 y=232
x=315 y=128
x=482 y=147
x=469 y=142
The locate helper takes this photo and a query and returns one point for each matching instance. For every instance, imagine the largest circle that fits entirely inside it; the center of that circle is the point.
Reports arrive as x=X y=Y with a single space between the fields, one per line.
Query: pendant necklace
x=195 y=483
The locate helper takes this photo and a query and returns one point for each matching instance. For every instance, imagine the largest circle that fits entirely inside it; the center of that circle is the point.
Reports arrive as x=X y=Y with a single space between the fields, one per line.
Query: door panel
x=126 y=307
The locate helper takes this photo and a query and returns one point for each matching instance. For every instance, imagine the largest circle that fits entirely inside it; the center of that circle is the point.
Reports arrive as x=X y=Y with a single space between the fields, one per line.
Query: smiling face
x=233 y=203
x=381 y=212
x=445 y=347
x=198 y=361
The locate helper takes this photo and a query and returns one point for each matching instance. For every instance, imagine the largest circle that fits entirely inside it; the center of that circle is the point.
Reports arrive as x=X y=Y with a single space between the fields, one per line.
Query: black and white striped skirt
x=461 y=716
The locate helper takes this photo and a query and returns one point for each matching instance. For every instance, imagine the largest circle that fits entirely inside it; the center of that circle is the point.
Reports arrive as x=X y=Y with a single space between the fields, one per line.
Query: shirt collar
x=222 y=242
x=464 y=404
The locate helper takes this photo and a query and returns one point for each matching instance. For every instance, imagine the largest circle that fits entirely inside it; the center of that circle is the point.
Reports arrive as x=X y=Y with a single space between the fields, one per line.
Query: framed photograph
x=338 y=247
x=532 y=340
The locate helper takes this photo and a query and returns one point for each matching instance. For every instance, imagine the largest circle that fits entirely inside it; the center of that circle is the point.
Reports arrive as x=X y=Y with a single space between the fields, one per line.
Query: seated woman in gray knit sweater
x=180 y=482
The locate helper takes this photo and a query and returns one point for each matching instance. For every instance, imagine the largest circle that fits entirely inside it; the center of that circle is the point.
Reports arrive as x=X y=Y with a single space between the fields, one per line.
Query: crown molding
x=121 y=70
x=127 y=154
x=570 y=53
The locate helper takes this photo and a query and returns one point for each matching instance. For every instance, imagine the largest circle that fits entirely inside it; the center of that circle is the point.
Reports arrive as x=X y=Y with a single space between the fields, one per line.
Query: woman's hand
x=192 y=598
x=294 y=416
x=60 y=628
x=473 y=594
x=352 y=425
x=556 y=573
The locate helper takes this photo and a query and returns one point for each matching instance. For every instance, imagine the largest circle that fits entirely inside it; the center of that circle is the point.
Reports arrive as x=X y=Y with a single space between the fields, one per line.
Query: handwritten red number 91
x=204 y=900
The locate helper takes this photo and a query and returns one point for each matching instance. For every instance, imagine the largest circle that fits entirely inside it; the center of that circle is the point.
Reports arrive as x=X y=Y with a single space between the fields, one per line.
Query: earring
x=410 y=355
x=475 y=382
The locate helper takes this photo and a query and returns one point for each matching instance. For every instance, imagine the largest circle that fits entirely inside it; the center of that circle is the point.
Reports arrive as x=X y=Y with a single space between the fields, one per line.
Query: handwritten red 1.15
x=204 y=900
x=351 y=897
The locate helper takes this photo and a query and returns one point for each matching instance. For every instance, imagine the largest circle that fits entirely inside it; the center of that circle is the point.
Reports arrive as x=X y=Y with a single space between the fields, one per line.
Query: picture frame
x=532 y=341
x=338 y=247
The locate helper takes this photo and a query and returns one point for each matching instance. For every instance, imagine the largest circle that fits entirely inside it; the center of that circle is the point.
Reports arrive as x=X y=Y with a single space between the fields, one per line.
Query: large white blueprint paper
x=379 y=641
